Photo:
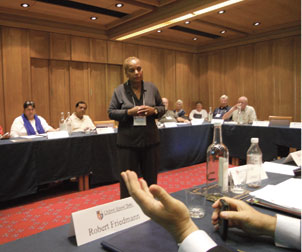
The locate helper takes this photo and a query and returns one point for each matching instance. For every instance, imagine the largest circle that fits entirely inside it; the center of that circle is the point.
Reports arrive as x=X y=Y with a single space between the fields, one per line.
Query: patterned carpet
x=53 y=208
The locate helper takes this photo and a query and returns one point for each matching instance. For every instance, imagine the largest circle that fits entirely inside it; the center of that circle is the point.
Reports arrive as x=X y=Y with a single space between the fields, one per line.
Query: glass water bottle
x=254 y=164
x=217 y=167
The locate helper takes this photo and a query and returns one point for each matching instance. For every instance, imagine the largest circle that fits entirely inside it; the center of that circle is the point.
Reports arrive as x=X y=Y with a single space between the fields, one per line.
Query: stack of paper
x=284 y=196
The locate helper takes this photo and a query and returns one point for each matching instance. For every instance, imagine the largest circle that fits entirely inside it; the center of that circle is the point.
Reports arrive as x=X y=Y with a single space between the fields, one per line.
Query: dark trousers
x=144 y=161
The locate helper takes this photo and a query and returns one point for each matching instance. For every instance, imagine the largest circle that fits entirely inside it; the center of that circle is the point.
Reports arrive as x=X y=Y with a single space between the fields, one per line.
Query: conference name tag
x=57 y=134
x=99 y=221
x=139 y=121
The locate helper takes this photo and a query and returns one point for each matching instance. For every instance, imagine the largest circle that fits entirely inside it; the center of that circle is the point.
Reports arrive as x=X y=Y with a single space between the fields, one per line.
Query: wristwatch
x=155 y=111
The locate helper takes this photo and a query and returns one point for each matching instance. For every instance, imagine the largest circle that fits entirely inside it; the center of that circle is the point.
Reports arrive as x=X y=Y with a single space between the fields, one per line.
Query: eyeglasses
x=29 y=103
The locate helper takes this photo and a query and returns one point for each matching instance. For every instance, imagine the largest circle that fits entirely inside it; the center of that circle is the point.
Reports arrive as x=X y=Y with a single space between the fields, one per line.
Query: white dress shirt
x=18 y=129
x=287 y=235
x=78 y=124
x=248 y=115
x=203 y=113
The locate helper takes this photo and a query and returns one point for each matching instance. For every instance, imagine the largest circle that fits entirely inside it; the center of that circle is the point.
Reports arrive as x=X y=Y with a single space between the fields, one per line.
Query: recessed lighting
x=93 y=18
x=187 y=22
x=256 y=23
x=224 y=31
x=119 y=5
x=195 y=38
x=159 y=30
x=25 y=5
x=221 y=12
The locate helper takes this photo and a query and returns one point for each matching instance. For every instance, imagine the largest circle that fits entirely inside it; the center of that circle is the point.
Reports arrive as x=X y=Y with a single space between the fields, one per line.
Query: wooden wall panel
x=79 y=83
x=40 y=87
x=115 y=52
x=97 y=96
x=203 y=82
x=283 y=69
x=145 y=56
x=2 y=111
x=264 y=81
x=98 y=51
x=39 y=44
x=114 y=78
x=60 y=46
x=156 y=69
x=129 y=50
x=16 y=71
x=297 y=73
x=169 y=75
x=80 y=49
x=59 y=90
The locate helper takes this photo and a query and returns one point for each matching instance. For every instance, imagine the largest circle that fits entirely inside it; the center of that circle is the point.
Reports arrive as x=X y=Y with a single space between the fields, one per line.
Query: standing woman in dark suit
x=135 y=105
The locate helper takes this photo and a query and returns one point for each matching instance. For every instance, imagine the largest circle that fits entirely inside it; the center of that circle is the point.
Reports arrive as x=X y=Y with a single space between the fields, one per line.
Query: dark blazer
x=123 y=99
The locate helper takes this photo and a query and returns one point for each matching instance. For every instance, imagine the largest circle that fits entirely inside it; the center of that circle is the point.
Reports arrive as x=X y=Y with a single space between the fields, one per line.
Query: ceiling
x=135 y=15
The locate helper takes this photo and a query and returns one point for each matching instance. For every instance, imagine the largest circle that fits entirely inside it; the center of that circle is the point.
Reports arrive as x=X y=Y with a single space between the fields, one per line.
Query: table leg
x=86 y=182
x=81 y=183
x=235 y=161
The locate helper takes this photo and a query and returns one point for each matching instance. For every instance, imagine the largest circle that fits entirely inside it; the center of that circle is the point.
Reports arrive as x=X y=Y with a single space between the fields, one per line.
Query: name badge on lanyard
x=139 y=120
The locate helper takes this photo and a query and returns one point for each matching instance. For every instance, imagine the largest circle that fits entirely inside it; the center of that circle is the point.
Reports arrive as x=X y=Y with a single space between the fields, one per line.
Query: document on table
x=32 y=136
x=279 y=168
x=284 y=196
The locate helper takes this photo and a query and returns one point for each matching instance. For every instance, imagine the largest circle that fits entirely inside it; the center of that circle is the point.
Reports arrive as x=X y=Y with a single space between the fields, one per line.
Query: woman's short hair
x=198 y=102
x=29 y=103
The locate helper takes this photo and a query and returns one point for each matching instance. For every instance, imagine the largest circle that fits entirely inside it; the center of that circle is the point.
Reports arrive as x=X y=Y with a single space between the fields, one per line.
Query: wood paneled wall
x=57 y=70
x=268 y=73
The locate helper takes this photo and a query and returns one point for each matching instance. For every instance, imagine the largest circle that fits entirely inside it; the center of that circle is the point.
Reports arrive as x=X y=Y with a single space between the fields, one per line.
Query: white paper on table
x=170 y=124
x=285 y=194
x=197 y=121
x=31 y=136
x=57 y=134
x=229 y=122
x=217 y=121
x=295 y=125
x=260 y=123
x=294 y=156
x=233 y=173
x=105 y=130
x=279 y=168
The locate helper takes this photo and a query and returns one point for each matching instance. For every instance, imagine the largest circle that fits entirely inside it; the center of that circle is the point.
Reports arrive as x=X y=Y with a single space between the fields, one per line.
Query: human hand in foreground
x=245 y=217
x=146 y=111
x=161 y=207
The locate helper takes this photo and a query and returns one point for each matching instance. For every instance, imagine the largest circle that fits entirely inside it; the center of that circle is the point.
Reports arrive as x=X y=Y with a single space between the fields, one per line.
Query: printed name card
x=106 y=130
x=197 y=121
x=57 y=134
x=297 y=125
x=170 y=124
x=217 y=121
x=251 y=173
x=96 y=222
x=261 y=123
x=294 y=156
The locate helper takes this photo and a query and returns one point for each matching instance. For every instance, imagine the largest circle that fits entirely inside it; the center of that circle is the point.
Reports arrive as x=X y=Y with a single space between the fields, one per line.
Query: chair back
x=283 y=121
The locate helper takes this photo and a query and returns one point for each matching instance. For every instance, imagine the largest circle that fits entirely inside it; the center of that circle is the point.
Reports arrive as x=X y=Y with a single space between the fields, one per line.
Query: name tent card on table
x=197 y=121
x=250 y=173
x=57 y=134
x=99 y=221
x=296 y=125
x=261 y=123
x=106 y=130
x=294 y=156
x=215 y=121
x=170 y=124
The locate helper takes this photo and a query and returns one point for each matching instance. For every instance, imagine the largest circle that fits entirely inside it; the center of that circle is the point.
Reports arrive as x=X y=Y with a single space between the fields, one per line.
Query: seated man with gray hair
x=169 y=115
x=223 y=108
x=241 y=112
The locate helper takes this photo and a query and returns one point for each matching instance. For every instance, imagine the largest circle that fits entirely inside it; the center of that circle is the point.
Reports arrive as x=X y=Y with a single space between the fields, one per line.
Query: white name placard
x=294 y=156
x=107 y=130
x=57 y=134
x=260 y=123
x=99 y=221
x=249 y=176
x=217 y=121
x=170 y=124
x=297 y=125
x=197 y=121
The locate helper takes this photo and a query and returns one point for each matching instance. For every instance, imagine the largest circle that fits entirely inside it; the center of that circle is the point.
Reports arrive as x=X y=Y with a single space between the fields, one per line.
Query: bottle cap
x=255 y=140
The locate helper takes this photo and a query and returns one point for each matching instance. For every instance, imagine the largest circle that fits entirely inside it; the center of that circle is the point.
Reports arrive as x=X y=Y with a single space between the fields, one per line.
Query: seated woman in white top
x=29 y=123
x=198 y=113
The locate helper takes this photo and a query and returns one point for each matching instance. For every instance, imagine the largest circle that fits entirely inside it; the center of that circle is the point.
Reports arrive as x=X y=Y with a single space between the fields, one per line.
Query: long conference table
x=27 y=164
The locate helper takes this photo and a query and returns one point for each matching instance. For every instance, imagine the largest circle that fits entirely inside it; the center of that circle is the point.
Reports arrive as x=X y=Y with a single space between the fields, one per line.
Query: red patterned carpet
x=41 y=214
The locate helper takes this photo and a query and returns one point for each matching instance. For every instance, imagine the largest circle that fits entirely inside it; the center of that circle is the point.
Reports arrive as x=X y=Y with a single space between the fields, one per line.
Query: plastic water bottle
x=210 y=116
x=62 y=123
x=68 y=123
x=254 y=163
x=217 y=167
x=240 y=121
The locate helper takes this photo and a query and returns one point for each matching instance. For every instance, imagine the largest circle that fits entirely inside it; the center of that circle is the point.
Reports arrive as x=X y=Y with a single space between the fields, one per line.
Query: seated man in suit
x=80 y=121
x=223 y=108
x=169 y=115
x=241 y=112
x=173 y=215
x=29 y=123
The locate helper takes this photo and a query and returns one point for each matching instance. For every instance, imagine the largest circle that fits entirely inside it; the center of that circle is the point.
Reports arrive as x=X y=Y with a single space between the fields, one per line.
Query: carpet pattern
x=34 y=217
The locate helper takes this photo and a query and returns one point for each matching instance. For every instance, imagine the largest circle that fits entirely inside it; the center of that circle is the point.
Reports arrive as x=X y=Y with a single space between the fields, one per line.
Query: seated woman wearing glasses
x=29 y=123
